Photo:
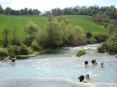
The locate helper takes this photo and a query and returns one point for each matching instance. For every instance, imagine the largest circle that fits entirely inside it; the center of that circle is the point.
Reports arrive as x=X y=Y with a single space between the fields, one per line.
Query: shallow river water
x=61 y=69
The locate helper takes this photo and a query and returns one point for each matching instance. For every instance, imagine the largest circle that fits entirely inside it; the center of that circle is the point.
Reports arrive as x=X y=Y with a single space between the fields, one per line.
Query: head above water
x=86 y=62
x=81 y=78
x=102 y=65
x=94 y=61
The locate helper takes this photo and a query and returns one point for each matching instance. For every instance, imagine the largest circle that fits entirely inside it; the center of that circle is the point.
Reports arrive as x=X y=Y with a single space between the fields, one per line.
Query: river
x=62 y=65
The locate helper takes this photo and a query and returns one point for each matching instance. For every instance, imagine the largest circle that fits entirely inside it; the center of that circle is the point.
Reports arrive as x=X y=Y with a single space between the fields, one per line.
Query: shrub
x=89 y=35
x=18 y=50
x=91 y=40
x=77 y=36
x=110 y=46
x=35 y=46
x=24 y=50
x=3 y=54
x=101 y=37
x=80 y=53
x=103 y=48
x=16 y=41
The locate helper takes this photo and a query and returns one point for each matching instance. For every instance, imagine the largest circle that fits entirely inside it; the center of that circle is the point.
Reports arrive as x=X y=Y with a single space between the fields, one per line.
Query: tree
x=8 y=11
x=1 y=10
x=55 y=35
x=31 y=30
x=77 y=36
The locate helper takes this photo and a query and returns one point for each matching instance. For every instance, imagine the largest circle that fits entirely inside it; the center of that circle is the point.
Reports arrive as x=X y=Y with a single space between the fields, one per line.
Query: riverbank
x=44 y=51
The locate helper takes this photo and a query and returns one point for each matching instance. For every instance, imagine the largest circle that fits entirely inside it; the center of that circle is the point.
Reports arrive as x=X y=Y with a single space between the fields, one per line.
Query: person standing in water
x=13 y=60
x=102 y=65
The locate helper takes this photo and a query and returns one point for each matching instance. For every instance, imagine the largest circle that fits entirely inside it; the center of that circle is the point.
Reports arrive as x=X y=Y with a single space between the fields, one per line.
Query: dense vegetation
x=108 y=18
x=80 y=53
x=110 y=46
x=18 y=23
x=57 y=33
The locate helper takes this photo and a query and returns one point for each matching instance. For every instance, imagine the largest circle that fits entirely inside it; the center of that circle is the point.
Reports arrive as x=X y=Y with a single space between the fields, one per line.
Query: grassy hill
x=19 y=22
x=86 y=22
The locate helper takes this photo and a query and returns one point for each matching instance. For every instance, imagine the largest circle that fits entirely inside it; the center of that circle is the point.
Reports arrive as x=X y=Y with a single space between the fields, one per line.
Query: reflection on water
x=64 y=64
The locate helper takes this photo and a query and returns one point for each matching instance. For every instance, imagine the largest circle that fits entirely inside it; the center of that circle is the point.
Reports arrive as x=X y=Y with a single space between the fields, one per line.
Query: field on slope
x=19 y=23
x=86 y=22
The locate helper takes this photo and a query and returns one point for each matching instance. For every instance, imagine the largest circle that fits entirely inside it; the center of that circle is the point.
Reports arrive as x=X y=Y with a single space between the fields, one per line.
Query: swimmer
x=86 y=63
x=94 y=62
x=102 y=65
x=13 y=60
x=82 y=79
x=87 y=77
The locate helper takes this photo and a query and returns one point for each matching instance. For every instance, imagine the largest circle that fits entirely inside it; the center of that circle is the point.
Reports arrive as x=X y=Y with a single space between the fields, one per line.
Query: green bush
x=18 y=50
x=101 y=37
x=24 y=50
x=3 y=54
x=110 y=46
x=103 y=48
x=77 y=36
x=91 y=40
x=80 y=53
x=35 y=46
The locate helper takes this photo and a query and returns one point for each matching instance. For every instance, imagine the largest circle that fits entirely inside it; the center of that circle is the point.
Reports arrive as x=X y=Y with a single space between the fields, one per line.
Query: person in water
x=87 y=77
x=94 y=62
x=86 y=63
x=82 y=79
x=13 y=60
x=102 y=65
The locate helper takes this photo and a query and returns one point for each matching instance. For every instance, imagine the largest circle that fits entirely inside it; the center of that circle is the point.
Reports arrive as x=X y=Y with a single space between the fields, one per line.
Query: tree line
x=84 y=10
x=111 y=11
x=25 y=11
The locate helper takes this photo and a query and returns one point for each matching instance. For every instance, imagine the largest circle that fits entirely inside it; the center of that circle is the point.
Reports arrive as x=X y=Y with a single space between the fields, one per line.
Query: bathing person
x=86 y=63
x=87 y=77
x=102 y=65
x=13 y=60
x=81 y=78
x=94 y=62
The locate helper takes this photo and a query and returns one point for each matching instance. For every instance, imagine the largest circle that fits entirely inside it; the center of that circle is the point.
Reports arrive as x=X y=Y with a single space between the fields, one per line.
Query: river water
x=59 y=66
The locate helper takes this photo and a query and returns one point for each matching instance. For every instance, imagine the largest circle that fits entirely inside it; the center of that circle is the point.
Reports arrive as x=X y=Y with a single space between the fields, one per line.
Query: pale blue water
x=65 y=65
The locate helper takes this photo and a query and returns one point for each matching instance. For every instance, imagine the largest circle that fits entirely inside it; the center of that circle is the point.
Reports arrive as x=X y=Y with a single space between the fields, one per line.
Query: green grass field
x=86 y=23
x=19 y=23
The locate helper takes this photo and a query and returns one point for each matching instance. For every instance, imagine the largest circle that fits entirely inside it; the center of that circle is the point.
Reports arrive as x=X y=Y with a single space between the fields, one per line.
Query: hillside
x=19 y=22
x=86 y=22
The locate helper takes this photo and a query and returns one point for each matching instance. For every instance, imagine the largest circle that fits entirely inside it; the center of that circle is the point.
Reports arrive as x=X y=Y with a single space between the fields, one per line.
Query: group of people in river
x=85 y=78
x=94 y=63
